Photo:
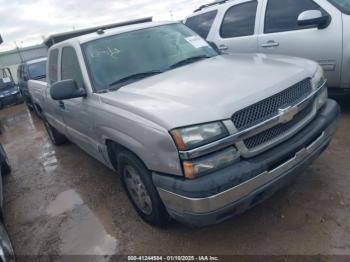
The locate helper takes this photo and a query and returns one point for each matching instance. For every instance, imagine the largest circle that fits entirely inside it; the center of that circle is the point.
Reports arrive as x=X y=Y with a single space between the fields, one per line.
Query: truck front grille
x=269 y=107
x=277 y=131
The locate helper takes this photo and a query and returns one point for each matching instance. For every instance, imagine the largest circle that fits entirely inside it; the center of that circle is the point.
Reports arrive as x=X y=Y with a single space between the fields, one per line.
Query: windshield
x=343 y=5
x=142 y=53
x=5 y=78
x=37 y=70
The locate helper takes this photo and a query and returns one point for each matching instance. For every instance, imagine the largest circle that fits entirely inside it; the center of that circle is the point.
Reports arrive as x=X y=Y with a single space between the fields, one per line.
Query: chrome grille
x=269 y=107
x=278 y=130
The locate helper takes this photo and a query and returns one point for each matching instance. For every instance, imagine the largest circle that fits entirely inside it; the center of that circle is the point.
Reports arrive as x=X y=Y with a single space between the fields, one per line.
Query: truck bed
x=37 y=89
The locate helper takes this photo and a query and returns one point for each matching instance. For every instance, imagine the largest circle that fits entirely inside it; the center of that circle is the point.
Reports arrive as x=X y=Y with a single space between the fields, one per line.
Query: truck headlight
x=322 y=97
x=204 y=165
x=318 y=79
x=187 y=138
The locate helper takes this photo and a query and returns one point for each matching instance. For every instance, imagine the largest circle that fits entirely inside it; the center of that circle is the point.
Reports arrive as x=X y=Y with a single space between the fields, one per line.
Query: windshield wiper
x=189 y=61
x=131 y=78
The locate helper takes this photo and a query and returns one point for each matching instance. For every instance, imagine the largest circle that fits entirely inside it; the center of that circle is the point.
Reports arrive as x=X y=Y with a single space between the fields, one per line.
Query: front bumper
x=213 y=198
x=11 y=99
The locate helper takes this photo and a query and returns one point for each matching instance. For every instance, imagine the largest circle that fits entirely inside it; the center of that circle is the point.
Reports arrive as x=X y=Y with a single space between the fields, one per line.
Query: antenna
x=100 y=31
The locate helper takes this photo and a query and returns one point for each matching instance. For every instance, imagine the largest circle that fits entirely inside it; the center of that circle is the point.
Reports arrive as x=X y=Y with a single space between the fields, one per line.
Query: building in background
x=16 y=56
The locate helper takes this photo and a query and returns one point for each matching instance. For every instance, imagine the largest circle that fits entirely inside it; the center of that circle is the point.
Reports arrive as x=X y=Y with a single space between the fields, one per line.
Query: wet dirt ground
x=59 y=200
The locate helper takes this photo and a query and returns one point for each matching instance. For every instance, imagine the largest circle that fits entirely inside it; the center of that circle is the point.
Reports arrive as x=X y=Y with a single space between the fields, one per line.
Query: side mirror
x=313 y=17
x=66 y=89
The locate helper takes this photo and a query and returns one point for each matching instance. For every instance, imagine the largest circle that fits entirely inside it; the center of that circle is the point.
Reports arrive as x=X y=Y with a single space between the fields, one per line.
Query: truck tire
x=37 y=111
x=137 y=181
x=29 y=106
x=5 y=165
x=56 y=137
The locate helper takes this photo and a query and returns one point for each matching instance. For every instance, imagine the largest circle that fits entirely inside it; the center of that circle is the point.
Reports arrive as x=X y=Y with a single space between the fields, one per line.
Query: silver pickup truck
x=195 y=135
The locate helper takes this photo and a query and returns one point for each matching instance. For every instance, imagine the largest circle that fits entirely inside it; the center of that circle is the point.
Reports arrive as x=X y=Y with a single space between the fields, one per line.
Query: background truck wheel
x=37 y=111
x=137 y=181
x=56 y=137
x=29 y=106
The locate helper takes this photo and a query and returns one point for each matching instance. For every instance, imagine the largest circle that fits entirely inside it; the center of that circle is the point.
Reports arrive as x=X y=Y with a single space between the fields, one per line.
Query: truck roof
x=110 y=32
x=34 y=61
x=215 y=3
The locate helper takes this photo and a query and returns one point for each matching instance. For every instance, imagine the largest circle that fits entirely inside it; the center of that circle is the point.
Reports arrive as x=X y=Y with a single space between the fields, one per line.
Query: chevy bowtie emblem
x=287 y=114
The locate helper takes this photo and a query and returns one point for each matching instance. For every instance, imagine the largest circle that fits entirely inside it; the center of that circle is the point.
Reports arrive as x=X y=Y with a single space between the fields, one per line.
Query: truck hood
x=209 y=90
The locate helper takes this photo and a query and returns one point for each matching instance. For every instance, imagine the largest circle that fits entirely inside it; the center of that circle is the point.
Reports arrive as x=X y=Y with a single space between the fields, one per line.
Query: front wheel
x=56 y=137
x=137 y=181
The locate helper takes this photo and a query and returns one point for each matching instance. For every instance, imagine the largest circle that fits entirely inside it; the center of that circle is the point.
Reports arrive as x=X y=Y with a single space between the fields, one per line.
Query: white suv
x=313 y=29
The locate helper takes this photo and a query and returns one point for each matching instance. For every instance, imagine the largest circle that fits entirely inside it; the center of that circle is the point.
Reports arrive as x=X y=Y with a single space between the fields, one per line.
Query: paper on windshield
x=6 y=80
x=196 y=41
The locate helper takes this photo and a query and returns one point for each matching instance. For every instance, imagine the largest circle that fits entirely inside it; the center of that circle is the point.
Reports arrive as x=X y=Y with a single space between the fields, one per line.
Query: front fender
x=153 y=146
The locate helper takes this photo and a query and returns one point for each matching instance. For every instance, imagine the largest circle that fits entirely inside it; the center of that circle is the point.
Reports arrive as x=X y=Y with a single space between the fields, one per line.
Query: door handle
x=61 y=104
x=269 y=44
x=223 y=47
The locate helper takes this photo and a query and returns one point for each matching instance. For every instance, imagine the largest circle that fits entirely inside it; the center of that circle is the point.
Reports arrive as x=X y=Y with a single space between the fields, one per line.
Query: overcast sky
x=28 y=21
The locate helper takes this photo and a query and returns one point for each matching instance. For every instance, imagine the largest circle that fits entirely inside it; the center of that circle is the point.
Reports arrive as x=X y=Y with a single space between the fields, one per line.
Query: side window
x=202 y=23
x=239 y=20
x=53 y=63
x=282 y=16
x=19 y=75
x=70 y=68
x=21 y=69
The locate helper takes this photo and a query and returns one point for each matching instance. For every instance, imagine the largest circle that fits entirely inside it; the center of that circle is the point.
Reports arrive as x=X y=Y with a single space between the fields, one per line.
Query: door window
x=202 y=23
x=239 y=20
x=70 y=68
x=283 y=15
x=342 y=5
x=53 y=70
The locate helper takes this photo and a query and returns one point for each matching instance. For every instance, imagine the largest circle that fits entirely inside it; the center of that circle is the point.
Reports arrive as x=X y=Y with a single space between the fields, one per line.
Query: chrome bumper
x=198 y=206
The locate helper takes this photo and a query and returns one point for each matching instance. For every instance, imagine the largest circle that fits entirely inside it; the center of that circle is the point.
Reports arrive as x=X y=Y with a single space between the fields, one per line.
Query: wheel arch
x=113 y=148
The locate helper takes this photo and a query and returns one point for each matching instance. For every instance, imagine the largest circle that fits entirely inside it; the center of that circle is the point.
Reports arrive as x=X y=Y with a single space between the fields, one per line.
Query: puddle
x=84 y=234
x=64 y=202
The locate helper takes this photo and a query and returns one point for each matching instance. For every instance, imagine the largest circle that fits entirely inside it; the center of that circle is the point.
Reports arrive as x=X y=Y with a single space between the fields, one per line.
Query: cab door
x=281 y=34
x=78 y=113
x=236 y=27
x=52 y=109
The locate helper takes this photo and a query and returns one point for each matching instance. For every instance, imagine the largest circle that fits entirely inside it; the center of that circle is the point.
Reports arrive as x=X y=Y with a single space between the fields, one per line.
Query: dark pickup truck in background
x=9 y=92
x=30 y=70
